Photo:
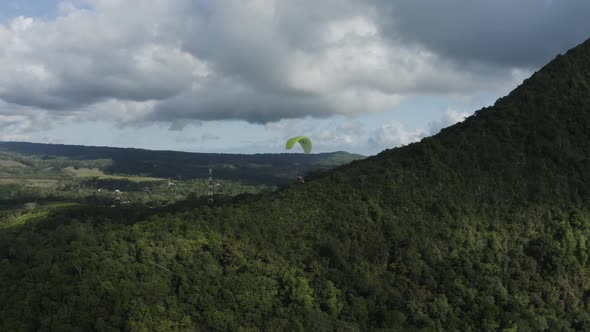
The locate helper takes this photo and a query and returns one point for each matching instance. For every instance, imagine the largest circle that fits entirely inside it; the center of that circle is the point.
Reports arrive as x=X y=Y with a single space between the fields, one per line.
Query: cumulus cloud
x=84 y=58
x=181 y=61
x=394 y=134
x=450 y=117
x=13 y=128
x=18 y=123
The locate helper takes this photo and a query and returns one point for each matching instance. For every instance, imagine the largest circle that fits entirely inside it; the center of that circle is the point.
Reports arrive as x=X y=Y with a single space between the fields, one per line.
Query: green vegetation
x=67 y=173
x=96 y=173
x=483 y=227
x=30 y=182
x=11 y=164
x=258 y=169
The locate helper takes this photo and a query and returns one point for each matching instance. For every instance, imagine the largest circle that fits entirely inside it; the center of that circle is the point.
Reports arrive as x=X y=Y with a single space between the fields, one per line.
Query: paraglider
x=304 y=141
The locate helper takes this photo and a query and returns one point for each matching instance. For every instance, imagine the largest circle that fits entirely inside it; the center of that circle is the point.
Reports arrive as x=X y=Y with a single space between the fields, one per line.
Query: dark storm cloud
x=228 y=102
x=505 y=33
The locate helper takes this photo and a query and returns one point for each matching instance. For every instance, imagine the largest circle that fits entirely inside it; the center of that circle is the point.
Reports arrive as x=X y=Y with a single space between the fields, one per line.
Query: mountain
x=267 y=169
x=483 y=227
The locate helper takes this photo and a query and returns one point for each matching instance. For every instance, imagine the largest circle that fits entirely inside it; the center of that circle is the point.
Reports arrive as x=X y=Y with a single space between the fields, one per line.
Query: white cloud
x=450 y=117
x=19 y=125
x=394 y=134
x=258 y=60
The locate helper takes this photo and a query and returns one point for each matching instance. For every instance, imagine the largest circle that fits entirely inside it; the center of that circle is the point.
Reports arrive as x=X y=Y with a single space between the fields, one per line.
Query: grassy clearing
x=45 y=183
x=60 y=205
x=97 y=173
x=31 y=212
x=23 y=218
x=12 y=164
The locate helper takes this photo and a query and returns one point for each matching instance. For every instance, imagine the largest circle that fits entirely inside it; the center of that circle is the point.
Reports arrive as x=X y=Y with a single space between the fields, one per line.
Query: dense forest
x=482 y=227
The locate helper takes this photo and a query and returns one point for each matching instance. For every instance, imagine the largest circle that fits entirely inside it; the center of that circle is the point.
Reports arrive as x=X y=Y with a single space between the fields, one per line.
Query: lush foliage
x=483 y=227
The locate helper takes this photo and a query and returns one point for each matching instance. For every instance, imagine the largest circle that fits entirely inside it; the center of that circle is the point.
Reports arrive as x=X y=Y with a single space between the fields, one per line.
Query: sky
x=242 y=76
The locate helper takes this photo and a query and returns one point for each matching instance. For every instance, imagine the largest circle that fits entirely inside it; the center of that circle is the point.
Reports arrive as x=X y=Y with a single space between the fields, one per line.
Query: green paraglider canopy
x=303 y=140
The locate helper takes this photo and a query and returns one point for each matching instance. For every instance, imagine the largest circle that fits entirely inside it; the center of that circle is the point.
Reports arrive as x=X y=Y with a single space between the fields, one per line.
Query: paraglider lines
x=210 y=186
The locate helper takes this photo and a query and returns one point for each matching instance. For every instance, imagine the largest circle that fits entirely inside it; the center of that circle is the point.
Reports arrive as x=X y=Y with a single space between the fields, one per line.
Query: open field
x=12 y=163
x=96 y=173
x=45 y=183
x=59 y=205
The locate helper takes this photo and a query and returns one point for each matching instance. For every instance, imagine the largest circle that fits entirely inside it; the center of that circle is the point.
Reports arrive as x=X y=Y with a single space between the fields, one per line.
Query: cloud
x=203 y=138
x=85 y=58
x=184 y=61
x=394 y=134
x=503 y=33
x=14 y=128
x=18 y=123
x=449 y=118
x=209 y=137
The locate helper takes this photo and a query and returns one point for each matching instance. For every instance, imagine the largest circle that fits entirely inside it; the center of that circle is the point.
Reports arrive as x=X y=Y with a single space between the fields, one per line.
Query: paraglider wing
x=302 y=140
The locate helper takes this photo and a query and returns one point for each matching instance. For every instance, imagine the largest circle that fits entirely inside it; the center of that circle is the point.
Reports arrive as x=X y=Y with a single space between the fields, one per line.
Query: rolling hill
x=483 y=227
x=254 y=169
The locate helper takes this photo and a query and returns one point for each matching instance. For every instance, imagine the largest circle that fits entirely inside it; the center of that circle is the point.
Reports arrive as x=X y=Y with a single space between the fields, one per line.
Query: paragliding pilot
x=305 y=143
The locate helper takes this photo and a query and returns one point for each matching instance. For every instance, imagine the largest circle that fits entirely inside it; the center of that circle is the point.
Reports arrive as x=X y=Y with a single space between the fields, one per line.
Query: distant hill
x=268 y=169
x=482 y=227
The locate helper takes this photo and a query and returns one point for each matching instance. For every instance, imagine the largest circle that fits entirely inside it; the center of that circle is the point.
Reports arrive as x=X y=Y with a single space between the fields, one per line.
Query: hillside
x=254 y=169
x=483 y=227
x=109 y=177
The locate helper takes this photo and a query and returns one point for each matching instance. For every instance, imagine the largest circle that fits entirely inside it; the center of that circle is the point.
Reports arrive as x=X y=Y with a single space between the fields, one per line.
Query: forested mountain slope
x=483 y=227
